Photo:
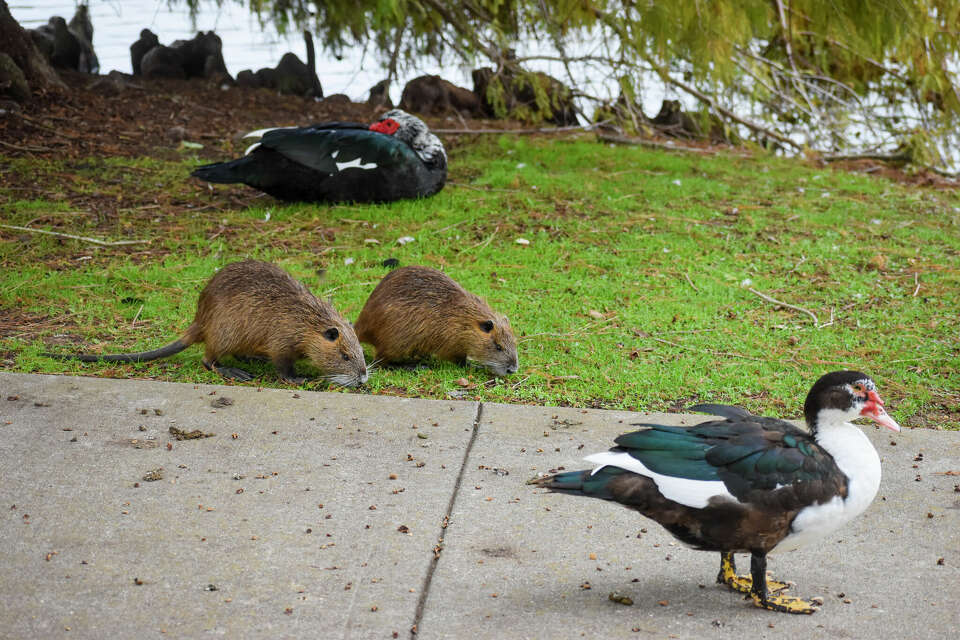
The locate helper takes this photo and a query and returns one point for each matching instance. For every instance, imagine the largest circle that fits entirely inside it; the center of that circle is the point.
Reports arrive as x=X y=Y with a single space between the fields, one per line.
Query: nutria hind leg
x=407 y=362
x=284 y=365
x=406 y=365
x=231 y=373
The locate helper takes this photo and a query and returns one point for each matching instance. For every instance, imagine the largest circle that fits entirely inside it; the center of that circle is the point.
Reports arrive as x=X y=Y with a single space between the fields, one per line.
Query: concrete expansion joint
x=444 y=524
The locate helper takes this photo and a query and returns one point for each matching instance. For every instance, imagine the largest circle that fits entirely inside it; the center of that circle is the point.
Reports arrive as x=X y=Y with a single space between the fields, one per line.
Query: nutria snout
x=415 y=312
x=256 y=309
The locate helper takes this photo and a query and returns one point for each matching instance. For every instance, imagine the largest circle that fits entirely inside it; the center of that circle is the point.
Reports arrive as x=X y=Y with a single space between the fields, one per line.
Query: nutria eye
x=498 y=346
x=346 y=358
x=331 y=334
x=486 y=326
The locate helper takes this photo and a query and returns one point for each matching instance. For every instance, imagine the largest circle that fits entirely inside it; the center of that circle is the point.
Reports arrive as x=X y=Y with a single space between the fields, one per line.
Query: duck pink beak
x=874 y=410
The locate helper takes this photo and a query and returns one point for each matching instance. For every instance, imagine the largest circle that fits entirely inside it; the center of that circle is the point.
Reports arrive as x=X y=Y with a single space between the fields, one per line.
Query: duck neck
x=853 y=453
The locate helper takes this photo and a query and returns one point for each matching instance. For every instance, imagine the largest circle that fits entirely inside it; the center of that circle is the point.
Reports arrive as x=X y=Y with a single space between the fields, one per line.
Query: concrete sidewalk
x=354 y=516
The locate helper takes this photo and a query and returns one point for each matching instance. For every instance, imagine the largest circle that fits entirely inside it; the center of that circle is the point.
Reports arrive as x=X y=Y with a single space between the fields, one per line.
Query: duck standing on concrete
x=748 y=484
x=394 y=158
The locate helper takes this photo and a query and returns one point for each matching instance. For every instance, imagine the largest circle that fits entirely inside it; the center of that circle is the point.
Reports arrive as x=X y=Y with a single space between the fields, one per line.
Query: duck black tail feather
x=581 y=483
x=223 y=172
x=722 y=410
x=144 y=356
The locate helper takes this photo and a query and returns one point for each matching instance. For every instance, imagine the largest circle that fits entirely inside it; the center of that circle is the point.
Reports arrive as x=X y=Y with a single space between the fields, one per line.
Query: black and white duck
x=394 y=158
x=747 y=484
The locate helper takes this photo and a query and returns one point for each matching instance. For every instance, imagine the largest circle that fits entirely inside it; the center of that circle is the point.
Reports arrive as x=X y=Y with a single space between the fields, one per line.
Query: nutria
x=417 y=311
x=256 y=309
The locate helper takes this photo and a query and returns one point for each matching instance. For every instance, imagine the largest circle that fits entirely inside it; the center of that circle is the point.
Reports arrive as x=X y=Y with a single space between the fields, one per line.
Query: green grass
x=634 y=291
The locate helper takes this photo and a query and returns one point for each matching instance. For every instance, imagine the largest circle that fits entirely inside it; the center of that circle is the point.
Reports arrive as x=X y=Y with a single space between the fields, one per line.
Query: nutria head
x=335 y=350
x=490 y=342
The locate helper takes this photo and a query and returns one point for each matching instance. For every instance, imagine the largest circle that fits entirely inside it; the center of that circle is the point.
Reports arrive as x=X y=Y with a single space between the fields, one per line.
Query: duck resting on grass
x=394 y=158
x=747 y=484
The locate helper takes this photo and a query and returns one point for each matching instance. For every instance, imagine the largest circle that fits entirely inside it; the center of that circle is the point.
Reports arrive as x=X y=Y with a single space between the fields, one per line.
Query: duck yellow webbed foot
x=761 y=588
x=783 y=604
x=743 y=584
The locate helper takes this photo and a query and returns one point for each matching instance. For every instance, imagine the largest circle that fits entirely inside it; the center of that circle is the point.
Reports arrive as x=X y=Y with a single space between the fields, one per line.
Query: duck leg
x=743 y=584
x=774 y=602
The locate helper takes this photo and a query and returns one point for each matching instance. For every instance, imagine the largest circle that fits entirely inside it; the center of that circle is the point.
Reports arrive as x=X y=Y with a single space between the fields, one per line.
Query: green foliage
x=634 y=292
x=821 y=72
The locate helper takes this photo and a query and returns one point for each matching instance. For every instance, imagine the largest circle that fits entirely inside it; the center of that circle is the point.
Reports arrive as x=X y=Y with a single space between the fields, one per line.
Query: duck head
x=843 y=396
x=414 y=132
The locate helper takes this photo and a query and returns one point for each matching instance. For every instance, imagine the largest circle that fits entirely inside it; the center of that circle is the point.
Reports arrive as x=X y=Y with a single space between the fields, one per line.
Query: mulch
x=121 y=115
x=124 y=116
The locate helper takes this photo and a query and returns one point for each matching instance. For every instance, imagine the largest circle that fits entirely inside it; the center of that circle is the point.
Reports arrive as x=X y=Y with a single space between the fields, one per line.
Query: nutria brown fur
x=416 y=312
x=256 y=309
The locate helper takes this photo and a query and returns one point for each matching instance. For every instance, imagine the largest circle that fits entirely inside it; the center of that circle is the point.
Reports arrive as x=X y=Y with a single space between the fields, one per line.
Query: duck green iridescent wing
x=751 y=457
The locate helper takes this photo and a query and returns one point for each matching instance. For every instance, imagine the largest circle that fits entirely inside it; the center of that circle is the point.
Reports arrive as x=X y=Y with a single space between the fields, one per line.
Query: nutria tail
x=224 y=172
x=144 y=356
x=193 y=334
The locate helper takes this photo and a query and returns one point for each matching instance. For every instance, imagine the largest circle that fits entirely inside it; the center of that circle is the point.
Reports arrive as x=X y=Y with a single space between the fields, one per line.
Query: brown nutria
x=417 y=311
x=256 y=309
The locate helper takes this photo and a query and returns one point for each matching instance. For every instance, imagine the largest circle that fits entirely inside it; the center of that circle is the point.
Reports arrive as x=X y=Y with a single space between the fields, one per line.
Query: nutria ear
x=331 y=334
x=486 y=326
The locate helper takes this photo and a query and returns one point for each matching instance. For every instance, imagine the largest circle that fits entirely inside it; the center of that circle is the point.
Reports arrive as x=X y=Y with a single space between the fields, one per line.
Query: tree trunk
x=317 y=91
x=16 y=43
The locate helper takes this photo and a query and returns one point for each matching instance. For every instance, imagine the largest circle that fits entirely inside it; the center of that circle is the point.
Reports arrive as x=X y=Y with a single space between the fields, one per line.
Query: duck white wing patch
x=356 y=162
x=259 y=133
x=690 y=493
x=251 y=148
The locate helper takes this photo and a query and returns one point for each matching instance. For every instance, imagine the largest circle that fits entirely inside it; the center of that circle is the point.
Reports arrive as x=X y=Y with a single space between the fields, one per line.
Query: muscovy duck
x=747 y=484
x=394 y=158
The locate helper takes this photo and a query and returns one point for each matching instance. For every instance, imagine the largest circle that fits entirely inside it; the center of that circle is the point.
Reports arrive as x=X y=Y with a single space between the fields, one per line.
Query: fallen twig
x=481 y=189
x=803 y=259
x=40 y=125
x=102 y=243
x=27 y=149
x=579 y=331
x=136 y=317
x=816 y=320
x=916 y=280
x=617 y=138
x=484 y=243
x=521 y=382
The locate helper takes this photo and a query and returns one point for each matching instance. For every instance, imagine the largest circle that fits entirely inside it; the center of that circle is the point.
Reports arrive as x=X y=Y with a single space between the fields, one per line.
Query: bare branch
x=787 y=40
x=901 y=158
x=519 y=131
x=102 y=243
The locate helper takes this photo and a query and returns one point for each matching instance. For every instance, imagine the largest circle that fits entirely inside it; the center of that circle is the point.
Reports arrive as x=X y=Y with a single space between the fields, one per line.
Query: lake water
x=248 y=45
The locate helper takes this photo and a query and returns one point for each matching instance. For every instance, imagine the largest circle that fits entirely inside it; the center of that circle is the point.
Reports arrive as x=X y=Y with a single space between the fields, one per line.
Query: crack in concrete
x=444 y=524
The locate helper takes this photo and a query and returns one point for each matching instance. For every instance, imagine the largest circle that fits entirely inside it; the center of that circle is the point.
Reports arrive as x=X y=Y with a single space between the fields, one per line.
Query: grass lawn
x=640 y=287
